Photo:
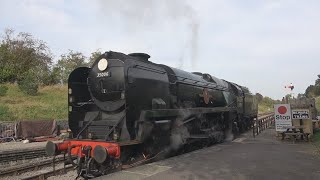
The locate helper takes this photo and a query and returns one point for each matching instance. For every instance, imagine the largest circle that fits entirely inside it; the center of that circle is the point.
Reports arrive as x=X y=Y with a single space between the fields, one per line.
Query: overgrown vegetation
x=313 y=90
x=24 y=57
x=318 y=105
x=265 y=103
x=5 y=113
x=50 y=103
x=3 y=90
x=316 y=138
x=28 y=85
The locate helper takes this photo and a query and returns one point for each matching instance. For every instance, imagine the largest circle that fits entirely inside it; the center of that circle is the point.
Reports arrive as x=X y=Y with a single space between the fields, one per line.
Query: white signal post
x=290 y=88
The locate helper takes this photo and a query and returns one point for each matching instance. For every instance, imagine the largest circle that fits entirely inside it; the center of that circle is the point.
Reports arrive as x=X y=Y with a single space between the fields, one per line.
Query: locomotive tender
x=125 y=109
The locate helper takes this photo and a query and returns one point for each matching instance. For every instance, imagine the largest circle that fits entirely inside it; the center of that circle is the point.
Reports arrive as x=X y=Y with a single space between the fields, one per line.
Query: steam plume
x=141 y=15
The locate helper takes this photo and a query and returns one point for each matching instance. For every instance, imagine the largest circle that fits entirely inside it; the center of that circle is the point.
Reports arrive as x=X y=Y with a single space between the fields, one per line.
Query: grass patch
x=3 y=90
x=49 y=103
x=5 y=113
x=316 y=138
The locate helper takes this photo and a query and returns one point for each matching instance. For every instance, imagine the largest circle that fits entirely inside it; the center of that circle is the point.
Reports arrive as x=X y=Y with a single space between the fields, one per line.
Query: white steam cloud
x=141 y=15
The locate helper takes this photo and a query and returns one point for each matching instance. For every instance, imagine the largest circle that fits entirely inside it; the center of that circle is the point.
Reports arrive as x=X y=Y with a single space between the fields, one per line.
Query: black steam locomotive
x=125 y=110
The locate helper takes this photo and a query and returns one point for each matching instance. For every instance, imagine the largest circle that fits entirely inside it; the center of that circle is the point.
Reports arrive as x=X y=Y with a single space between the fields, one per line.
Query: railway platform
x=263 y=157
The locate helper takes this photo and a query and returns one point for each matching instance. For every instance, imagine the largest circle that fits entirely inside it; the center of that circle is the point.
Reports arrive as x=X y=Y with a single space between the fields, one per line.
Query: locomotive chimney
x=140 y=56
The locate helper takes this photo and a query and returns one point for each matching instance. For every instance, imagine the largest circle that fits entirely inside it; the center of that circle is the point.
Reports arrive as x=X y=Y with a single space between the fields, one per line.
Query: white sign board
x=282 y=116
x=300 y=114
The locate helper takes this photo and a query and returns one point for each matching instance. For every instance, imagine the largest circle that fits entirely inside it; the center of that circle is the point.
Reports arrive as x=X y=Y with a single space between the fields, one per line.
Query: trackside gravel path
x=261 y=158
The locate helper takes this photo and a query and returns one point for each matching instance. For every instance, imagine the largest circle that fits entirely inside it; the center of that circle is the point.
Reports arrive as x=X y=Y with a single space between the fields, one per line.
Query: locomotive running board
x=177 y=112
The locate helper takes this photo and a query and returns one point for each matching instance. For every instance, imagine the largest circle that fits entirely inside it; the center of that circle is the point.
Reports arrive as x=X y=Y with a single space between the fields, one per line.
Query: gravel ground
x=69 y=176
x=264 y=157
x=32 y=173
x=9 y=146
x=22 y=162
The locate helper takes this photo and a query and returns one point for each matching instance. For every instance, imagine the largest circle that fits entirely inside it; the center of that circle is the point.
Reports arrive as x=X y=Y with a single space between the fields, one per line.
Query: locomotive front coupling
x=99 y=151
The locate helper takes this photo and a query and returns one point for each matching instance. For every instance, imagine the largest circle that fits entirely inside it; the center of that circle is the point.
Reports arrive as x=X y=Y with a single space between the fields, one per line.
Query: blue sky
x=263 y=45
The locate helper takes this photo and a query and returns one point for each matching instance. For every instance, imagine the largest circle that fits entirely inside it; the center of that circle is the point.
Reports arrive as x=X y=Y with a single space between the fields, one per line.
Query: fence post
x=253 y=125
x=266 y=124
x=262 y=124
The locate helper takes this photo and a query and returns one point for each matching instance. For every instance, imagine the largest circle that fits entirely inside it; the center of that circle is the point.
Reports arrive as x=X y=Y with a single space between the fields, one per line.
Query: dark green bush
x=5 y=114
x=29 y=85
x=3 y=90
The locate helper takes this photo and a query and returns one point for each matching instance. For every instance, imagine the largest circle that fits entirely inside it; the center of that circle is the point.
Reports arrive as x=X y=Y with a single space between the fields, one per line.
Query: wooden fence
x=261 y=123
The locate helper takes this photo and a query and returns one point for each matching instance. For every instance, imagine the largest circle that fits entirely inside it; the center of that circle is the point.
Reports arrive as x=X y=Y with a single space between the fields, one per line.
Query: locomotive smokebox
x=140 y=56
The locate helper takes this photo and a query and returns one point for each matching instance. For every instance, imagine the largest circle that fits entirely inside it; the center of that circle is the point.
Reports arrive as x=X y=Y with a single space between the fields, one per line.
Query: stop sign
x=282 y=110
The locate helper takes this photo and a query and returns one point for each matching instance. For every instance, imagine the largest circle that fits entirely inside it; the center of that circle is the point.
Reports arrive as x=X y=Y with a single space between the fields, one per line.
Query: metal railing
x=7 y=131
x=262 y=123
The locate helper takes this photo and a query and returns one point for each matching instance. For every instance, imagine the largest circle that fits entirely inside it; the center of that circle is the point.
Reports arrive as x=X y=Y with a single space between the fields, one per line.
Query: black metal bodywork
x=137 y=100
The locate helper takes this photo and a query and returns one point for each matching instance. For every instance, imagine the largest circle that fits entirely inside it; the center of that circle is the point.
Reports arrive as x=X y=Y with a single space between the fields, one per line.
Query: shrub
x=3 y=90
x=29 y=85
x=5 y=114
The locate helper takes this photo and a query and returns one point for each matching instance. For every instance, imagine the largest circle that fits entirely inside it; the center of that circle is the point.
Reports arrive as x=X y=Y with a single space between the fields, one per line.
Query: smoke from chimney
x=141 y=15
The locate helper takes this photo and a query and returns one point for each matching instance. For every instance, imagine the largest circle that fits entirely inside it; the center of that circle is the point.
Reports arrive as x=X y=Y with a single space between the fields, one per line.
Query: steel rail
x=47 y=174
x=28 y=167
x=16 y=155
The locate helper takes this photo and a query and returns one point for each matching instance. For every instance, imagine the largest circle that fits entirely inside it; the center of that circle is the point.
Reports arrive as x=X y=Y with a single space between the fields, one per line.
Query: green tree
x=288 y=96
x=68 y=62
x=318 y=81
x=317 y=90
x=28 y=85
x=310 y=91
x=22 y=53
x=259 y=97
x=94 y=57
x=313 y=90
x=55 y=76
x=268 y=101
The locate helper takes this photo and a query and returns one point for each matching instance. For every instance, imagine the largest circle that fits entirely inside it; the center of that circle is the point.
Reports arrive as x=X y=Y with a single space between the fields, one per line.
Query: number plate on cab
x=104 y=74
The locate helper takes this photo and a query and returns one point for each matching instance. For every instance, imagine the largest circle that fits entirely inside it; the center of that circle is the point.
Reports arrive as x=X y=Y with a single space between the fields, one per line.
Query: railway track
x=47 y=174
x=37 y=169
x=16 y=155
x=16 y=170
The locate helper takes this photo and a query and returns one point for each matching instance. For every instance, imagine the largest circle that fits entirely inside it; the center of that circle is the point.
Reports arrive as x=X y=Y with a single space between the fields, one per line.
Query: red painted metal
x=62 y=146
x=113 y=149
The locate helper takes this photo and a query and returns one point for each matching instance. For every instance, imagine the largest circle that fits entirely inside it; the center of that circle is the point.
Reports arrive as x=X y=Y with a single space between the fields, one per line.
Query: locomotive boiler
x=125 y=109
